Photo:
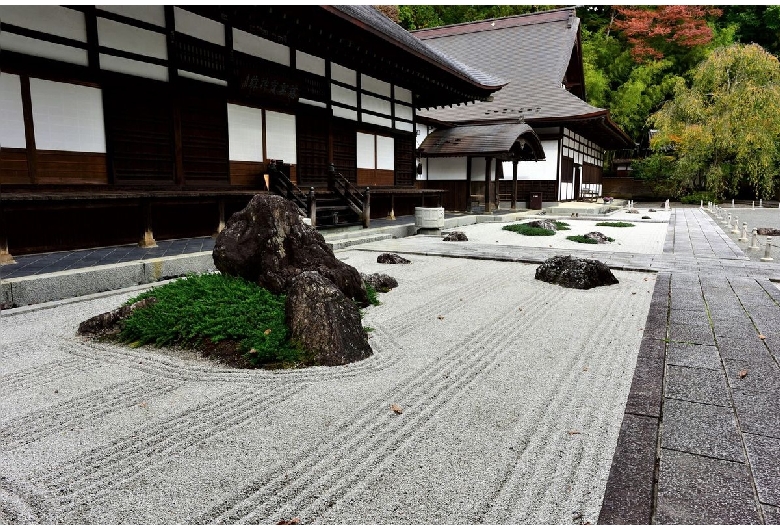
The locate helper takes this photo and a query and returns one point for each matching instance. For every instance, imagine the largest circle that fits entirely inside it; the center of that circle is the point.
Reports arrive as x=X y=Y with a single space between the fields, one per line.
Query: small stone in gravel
x=768 y=231
x=392 y=259
x=455 y=236
x=646 y=217
x=598 y=237
x=381 y=282
x=546 y=224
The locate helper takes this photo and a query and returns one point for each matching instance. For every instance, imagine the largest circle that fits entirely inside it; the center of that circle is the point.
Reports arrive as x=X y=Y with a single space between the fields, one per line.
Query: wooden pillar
x=499 y=176
x=468 y=184
x=5 y=257
x=514 y=184
x=147 y=239
x=29 y=129
x=488 y=184
x=392 y=207
x=312 y=207
x=221 y=208
x=367 y=209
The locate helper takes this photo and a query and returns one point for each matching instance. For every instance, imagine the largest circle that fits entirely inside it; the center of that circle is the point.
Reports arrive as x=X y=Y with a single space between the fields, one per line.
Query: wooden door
x=312 y=155
x=345 y=150
x=204 y=134
x=405 y=167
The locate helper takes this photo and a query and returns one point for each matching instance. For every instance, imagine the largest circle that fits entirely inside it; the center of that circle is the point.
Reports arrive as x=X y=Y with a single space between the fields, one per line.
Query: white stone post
x=744 y=236
x=767 y=255
x=760 y=203
x=754 y=240
x=701 y=204
x=728 y=221
x=754 y=205
x=735 y=230
x=732 y=203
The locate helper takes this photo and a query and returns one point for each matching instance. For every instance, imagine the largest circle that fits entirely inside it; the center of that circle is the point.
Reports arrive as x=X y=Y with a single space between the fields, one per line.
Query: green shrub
x=560 y=225
x=218 y=308
x=616 y=224
x=699 y=196
x=372 y=297
x=583 y=239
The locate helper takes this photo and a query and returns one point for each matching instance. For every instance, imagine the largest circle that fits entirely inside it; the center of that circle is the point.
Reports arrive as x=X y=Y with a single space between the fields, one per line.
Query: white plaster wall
x=128 y=38
x=259 y=47
x=199 y=27
x=132 y=67
x=309 y=63
x=403 y=94
x=365 y=151
x=11 y=112
x=151 y=14
x=452 y=169
x=404 y=126
x=54 y=20
x=374 y=85
x=385 y=152
x=376 y=120
x=67 y=117
x=404 y=111
x=340 y=94
x=566 y=191
x=348 y=114
x=373 y=104
x=422 y=133
x=39 y=48
x=343 y=74
x=280 y=142
x=245 y=133
x=546 y=169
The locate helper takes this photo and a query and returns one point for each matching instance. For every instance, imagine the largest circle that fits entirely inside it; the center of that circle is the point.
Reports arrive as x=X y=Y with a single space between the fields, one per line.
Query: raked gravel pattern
x=512 y=392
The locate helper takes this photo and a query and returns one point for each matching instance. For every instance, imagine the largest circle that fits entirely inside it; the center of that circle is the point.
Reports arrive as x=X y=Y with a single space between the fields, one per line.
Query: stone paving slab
x=771 y=514
x=752 y=410
x=697 y=428
x=764 y=455
x=700 y=385
x=693 y=356
x=698 y=490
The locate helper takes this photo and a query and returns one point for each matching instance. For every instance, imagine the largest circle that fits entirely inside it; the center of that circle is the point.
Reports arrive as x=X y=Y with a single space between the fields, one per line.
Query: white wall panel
x=313 y=103
x=376 y=120
x=200 y=77
x=566 y=191
x=340 y=94
x=54 y=20
x=124 y=37
x=542 y=170
x=374 y=85
x=375 y=104
x=309 y=63
x=422 y=133
x=402 y=94
x=404 y=126
x=448 y=168
x=348 y=114
x=11 y=112
x=366 y=154
x=131 y=67
x=39 y=48
x=385 y=152
x=199 y=27
x=67 y=117
x=343 y=74
x=259 y=47
x=403 y=111
x=280 y=142
x=151 y=14
x=245 y=133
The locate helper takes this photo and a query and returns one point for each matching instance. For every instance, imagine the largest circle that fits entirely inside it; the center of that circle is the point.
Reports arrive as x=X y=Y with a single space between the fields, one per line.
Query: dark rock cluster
x=575 y=273
x=382 y=283
x=455 y=236
x=547 y=224
x=392 y=259
x=598 y=237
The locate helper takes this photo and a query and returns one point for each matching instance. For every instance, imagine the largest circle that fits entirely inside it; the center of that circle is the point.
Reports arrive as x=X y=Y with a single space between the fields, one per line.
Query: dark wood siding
x=247 y=174
x=548 y=188
x=204 y=134
x=592 y=174
x=13 y=166
x=345 y=150
x=404 y=161
x=312 y=154
x=374 y=177
x=68 y=167
x=567 y=169
x=139 y=131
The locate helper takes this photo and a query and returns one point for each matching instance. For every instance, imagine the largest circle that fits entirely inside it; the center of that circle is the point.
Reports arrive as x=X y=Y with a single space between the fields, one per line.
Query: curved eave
x=611 y=136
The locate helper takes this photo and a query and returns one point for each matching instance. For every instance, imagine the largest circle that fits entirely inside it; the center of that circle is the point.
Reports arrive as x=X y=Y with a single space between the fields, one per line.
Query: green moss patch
x=586 y=240
x=616 y=224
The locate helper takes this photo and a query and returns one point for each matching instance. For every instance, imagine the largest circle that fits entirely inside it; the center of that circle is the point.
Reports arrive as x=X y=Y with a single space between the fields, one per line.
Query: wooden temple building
x=120 y=123
x=540 y=55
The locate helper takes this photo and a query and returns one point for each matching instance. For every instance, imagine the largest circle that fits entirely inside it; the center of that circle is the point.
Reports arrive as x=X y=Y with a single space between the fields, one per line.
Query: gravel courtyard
x=512 y=392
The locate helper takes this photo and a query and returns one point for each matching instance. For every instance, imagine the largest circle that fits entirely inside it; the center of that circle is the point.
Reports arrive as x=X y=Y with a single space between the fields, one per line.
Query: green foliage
x=215 y=307
x=615 y=224
x=412 y=17
x=527 y=230
x=698 y=197
x=560 y=225
x=372 y=296
x=586 y=240
x=723 y=129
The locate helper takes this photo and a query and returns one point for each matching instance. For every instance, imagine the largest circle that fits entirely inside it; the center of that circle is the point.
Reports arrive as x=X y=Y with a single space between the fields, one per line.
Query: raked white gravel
x=512 y=392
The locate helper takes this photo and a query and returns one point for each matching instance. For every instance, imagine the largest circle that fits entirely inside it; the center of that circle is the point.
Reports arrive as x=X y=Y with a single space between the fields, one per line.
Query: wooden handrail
x=280 y=184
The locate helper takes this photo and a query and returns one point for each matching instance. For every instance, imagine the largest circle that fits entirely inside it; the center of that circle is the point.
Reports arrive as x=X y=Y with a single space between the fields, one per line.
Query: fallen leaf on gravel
x=290 y=521
x=633 y=293
x=585 y=369
x=396 y=408
x=570 y=433
x=56 y=391
x=440 y=317
x=143 y=405
x=762 y=337
x=519 y=308
x=742 y=374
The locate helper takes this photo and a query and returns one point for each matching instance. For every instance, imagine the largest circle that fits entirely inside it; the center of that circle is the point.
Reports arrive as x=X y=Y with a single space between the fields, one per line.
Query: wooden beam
x=468 y=184
x=488 y=183
x=29 y=129
x=514 y=184
x=499 y=176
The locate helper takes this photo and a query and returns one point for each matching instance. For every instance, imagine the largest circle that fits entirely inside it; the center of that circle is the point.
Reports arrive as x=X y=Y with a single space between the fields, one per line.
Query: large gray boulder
x=269 y=244
x=324 y=322
x=382 y=283
x=575 y=273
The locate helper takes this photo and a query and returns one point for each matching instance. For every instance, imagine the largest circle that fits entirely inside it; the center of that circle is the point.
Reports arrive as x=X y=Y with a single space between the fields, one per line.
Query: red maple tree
x=650 y=30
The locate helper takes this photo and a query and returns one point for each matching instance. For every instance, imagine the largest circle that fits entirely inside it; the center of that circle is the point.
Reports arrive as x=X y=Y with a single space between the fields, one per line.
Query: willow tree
x=724 y=130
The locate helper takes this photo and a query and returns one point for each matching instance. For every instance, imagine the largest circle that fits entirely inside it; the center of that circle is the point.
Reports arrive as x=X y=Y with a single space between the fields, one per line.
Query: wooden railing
x=280 y=184
x=358 y=202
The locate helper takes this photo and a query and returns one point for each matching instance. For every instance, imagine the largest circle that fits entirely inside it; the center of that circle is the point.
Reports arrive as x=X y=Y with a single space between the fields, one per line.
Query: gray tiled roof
x=397 y=35
x=488 y=138
x=531 y=51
